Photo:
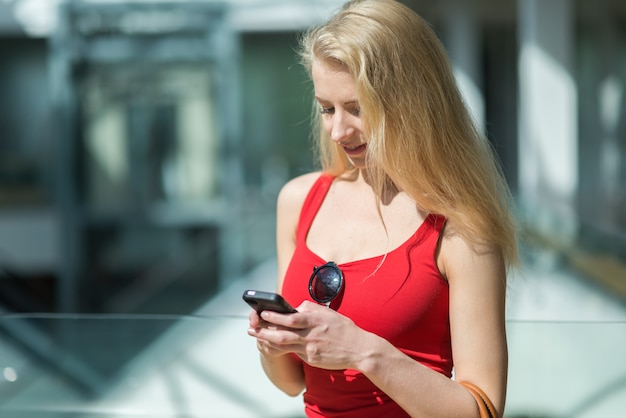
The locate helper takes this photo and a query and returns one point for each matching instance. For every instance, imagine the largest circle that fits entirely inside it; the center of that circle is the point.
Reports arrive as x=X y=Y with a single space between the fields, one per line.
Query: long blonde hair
x=421 y=138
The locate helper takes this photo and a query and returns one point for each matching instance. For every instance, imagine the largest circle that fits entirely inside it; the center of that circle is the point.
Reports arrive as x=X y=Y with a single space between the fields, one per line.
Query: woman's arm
x=477 y=281
x=477 y=318
x=281 y=368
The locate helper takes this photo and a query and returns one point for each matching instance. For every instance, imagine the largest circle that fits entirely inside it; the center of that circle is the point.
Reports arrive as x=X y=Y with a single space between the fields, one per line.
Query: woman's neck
x=364 y=178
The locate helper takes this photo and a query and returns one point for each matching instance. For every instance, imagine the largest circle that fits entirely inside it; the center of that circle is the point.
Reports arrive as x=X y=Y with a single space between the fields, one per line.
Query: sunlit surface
x=567 y=369
x=205 y=365
x=120 y=366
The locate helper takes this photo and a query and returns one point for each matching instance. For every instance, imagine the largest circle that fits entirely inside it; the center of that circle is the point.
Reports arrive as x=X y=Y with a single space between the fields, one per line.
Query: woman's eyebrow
x=347 y=103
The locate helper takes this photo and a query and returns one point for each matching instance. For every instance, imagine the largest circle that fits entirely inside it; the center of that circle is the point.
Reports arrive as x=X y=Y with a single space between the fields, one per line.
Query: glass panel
x=159 y=366
x=207 y=366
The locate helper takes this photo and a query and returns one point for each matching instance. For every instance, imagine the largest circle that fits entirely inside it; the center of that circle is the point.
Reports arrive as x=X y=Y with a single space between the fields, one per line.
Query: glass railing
x=567 y=369
x=207 y=366
x=133 y=366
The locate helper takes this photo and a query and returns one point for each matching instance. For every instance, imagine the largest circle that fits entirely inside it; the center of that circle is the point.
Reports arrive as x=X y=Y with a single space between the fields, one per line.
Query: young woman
x=395 y=255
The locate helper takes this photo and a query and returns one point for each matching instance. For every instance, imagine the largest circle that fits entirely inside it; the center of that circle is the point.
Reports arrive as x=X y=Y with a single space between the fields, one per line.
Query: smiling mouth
x=352 y=150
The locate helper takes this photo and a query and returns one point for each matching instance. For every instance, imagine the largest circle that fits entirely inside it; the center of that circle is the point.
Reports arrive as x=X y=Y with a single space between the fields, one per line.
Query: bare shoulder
x=458 y=257
x=293 y=193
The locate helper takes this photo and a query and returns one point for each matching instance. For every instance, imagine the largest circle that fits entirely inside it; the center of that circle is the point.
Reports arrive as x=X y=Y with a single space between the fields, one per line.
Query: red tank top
x=404 y=300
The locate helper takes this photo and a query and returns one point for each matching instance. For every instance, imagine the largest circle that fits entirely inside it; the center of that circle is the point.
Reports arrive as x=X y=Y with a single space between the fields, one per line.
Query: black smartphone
x=267 y=301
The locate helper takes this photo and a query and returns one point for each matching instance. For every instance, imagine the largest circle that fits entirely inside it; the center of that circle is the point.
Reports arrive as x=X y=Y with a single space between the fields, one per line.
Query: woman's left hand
x=319 y=335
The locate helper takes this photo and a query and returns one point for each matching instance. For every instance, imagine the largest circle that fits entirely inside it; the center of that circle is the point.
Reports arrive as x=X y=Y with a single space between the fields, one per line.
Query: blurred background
x=143 y=144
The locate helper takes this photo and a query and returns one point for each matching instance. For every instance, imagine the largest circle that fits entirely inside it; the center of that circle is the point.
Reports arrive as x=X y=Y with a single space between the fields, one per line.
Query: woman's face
x=335 y=92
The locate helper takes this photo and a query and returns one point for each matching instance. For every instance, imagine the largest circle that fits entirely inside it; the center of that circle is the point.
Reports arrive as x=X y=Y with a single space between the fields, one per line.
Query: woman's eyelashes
x=355 y=111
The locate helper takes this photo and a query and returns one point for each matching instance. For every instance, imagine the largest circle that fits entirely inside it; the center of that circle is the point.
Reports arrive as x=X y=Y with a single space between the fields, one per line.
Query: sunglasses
x=326 y=283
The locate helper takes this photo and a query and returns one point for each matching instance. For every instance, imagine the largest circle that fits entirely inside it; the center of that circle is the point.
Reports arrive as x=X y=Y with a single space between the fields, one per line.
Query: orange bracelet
x=486 y=408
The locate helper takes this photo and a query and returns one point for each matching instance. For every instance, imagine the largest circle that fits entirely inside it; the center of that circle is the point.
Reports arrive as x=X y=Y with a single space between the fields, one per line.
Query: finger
x=307 y=305
x=282 y=338
x=255 y=319
x=271 y=352
x=268 y=348
x=293 y=320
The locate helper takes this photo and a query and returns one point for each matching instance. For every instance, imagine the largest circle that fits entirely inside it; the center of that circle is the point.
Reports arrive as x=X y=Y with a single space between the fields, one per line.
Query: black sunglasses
x=326 y=283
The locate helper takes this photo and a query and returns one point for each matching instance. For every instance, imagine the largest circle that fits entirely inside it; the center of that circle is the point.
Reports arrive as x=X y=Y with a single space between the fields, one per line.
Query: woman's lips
x=354 y=150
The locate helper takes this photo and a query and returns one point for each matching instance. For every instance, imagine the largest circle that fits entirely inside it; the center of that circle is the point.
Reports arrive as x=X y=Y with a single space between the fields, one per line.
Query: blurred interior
x=143 y=144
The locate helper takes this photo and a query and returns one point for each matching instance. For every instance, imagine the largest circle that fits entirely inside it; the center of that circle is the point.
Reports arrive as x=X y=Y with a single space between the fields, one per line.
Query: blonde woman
x=395 y=255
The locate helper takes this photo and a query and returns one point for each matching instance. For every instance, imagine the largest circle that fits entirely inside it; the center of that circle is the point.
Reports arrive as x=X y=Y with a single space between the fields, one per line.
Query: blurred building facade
x=143 y=143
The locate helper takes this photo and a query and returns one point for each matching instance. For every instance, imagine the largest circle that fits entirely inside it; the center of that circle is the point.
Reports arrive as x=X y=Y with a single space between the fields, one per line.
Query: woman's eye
x=330 y=110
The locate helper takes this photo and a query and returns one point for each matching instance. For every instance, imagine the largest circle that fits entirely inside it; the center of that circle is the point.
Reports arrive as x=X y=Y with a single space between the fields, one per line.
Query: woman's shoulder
x=458 y=255
x=296 y=189
x=290 y=201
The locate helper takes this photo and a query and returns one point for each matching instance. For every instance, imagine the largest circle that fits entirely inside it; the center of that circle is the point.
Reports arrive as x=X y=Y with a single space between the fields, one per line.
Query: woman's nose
x=341 y=128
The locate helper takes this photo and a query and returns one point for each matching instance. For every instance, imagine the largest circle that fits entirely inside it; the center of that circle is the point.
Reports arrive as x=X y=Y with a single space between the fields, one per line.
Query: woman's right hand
x=257 y=323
